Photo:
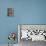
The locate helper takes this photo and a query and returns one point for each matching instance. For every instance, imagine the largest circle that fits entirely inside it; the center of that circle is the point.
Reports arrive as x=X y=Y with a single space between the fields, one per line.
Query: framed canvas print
x=10 y=12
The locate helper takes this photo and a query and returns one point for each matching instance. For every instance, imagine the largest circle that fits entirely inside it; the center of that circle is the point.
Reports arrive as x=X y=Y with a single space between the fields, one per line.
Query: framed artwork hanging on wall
x=10 y=11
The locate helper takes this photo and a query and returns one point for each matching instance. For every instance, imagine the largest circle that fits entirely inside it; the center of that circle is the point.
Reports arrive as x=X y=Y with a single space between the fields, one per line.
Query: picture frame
x=10 y=11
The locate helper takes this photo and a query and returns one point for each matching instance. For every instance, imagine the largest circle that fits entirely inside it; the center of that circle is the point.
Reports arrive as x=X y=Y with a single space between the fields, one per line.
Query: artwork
x=10 y=12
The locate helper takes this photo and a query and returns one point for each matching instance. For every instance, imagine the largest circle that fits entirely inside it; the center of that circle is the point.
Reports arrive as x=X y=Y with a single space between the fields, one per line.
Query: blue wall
x=25 y=12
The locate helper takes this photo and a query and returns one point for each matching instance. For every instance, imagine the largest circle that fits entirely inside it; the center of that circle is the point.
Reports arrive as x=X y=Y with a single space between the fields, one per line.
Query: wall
x=25 y=11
